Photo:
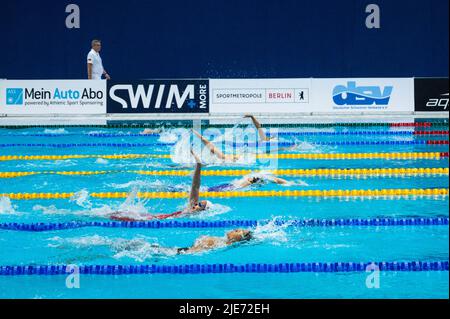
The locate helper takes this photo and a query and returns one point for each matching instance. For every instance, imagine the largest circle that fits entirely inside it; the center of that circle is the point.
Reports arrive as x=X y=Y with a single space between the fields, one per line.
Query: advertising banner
x=369 y=95
x=158 y=96
x=431 y=94
x=260 y=95
x=27 y=97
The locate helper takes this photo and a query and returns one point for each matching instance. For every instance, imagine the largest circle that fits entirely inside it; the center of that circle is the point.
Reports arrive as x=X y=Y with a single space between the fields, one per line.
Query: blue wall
x=225 y=38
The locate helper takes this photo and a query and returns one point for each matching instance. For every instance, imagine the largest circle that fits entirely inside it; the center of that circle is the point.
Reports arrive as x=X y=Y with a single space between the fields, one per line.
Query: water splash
x=271 y=232
x=132 y=204
x=51 y=210
x=55 y=131
x=213 y=210
x=168 y=136
x=81 y=198
x=101 y=161
x=6 y=207
x=138 y=248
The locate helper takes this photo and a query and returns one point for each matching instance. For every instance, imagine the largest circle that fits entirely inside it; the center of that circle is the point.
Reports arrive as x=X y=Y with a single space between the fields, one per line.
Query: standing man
x=94 y=62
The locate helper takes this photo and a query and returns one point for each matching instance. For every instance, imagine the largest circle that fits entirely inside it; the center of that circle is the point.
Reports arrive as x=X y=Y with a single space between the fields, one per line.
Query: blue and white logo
x=14 y=96
x=361 y=95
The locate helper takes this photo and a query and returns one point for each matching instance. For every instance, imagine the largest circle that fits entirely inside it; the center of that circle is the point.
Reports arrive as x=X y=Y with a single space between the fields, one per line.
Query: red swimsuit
x=117 y=216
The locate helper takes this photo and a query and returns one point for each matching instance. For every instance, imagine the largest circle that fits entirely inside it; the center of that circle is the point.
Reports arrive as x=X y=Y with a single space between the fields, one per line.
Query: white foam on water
x=101 y=161
x=138 y=248
x=51 y=210
x=55 y=131
x=81 y=198
x=6 y=207
x=213 y=210
x=156 y=185
x=271 y=232
x=168 y=136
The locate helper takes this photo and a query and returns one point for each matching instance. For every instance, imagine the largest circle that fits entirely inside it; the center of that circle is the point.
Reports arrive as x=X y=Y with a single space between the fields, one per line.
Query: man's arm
x=89 y=69
x=106 y=75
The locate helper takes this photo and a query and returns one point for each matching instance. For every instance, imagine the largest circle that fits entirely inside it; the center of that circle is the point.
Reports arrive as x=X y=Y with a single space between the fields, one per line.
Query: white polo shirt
x=94 y=58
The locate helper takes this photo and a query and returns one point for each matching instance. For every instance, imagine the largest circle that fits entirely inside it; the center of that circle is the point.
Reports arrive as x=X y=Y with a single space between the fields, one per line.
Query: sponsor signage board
x=27 y=97
x=363 y=95
x=431 y=94
x=158 y=96
x=260 y=95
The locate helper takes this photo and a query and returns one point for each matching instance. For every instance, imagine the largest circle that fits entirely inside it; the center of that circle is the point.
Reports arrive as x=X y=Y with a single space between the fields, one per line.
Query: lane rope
x=316 y=267
x=309 y=156
x=349 y=222
x=277 y=144
x=370 y=172
x=307 y=133
x=396 y=193
x=172 y=124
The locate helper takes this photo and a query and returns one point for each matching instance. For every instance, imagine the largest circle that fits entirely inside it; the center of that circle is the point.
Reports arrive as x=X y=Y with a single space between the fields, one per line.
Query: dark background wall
x=225 y=38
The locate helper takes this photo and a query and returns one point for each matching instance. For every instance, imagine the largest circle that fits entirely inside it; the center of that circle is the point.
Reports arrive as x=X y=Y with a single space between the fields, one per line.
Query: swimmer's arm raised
x=261 y=133
x=213 y=149
x=195 y=187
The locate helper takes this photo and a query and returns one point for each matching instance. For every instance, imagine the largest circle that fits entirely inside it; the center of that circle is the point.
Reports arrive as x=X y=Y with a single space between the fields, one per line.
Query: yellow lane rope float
x=311 y=156
x=269 y=193
x=241 y=172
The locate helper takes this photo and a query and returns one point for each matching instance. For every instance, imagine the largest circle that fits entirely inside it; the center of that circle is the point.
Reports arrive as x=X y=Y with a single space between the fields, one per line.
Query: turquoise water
x=273 y=244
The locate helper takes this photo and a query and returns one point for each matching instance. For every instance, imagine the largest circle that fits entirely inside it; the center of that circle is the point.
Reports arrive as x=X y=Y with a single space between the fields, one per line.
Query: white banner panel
x=259 y=96
x=367 y=95
x=26 y=97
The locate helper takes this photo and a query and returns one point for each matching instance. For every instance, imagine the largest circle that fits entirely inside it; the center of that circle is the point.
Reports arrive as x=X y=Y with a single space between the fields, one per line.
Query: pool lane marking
x=394 y=193
x=309 y=156
x=282 y=133
x=339 y=222
x=315 y=267
x=259 y=144
x=373 y=172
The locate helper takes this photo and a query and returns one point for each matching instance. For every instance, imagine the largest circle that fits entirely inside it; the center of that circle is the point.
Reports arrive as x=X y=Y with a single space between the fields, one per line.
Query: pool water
x=274 y=242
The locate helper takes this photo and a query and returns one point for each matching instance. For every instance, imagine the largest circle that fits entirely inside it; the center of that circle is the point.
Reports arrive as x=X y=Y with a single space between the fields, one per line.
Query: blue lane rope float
x=316 y=267
x=278 y=144
x=66 y=145
x=344 y=143
x=289 y=133
x=188 y=124
x=388 y=221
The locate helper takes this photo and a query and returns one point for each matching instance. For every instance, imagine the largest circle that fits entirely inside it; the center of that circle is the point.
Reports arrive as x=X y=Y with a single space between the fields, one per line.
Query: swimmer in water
x=195 y=204
x=247 y=181
x=205 y=243
x=201 y=244
x=214 y=150
x=261 y=133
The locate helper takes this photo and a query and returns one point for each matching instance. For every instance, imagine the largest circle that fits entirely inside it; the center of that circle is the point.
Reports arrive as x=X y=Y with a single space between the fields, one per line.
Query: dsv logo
x=361 y=95
x=441 y=101
x=160 y=96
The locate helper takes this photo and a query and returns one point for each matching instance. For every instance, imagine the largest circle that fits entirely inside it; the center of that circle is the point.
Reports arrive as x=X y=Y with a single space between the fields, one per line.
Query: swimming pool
x=357 y=193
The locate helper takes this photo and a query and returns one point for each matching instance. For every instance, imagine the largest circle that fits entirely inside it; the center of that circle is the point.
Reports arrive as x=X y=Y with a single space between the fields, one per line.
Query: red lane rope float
x=416 y=124
x=431 y=142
